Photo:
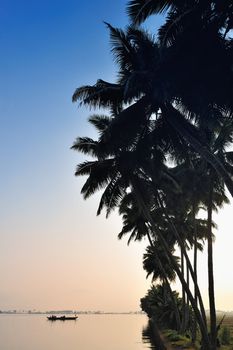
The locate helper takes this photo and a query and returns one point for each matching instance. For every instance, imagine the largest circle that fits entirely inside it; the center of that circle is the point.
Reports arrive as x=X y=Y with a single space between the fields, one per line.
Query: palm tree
x=116 y=174
x=158 y=264
x=179 y=210
x=207 y=188
x=152 y=122
x=158 y=306
x=219 y=139
x=193 y=186
x=134 y=223
x=145 y=83
x=192 y=33
x=220 y=14
x=155 y=260
x=154 y=303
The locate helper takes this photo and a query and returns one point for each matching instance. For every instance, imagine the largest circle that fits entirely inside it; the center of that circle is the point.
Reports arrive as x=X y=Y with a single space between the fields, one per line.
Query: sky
x=54 y=252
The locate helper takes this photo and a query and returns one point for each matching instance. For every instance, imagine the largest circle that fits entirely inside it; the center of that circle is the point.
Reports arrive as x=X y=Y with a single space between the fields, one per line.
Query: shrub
x=225 y=336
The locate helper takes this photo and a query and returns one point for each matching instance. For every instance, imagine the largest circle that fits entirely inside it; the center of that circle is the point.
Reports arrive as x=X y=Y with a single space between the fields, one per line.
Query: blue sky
x=48 y=235
x=48 y=49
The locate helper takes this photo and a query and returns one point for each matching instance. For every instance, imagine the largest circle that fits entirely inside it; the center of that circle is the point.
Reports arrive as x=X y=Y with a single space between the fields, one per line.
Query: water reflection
x=148 y=336
x=98 y=332
x=151 y=336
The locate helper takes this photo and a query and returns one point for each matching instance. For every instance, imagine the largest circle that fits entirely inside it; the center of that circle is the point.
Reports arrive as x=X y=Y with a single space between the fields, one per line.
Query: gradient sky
x=54 y=252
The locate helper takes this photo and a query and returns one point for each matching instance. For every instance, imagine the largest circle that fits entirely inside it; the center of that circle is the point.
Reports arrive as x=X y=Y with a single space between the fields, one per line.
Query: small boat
x=61 y=318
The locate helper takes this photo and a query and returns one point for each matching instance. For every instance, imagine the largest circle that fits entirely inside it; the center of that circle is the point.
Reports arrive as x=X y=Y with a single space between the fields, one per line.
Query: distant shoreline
x=83 y=312
x=69 y=312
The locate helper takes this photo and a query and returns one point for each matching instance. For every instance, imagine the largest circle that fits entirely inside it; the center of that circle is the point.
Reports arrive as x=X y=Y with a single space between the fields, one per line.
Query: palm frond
x=126 y=125
x=102 y=94
x=125 y=230
x=140 y=10
x=86 y=145
x=112 y=194
x=84 y=168
x=224 y=137
x=100 y=174
x=172 y=28
x=100 y=122
x=137 y=85
x=122 y=49
x=157 y=263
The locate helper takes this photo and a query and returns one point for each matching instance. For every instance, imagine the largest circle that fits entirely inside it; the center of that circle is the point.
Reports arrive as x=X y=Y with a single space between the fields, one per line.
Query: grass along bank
x=175 y=341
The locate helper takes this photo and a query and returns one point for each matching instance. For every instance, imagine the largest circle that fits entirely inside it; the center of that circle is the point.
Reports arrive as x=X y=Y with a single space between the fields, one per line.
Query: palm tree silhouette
x=119 y=173
x=154 y=115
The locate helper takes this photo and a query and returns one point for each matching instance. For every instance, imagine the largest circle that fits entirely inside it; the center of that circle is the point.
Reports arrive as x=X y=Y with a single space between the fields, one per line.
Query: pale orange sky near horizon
x=54 y=252
x=81 y=265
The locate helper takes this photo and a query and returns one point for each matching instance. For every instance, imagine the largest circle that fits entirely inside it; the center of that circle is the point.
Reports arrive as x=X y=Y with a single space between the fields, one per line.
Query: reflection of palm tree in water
x=147 y=336
x=151 y=336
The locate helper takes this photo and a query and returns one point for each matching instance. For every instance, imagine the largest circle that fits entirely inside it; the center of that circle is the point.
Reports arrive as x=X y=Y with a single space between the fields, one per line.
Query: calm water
x=89 y=332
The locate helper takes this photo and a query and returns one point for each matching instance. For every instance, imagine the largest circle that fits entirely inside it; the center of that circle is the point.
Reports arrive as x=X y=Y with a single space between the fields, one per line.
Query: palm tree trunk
x=187 y=302
x=176 y=310
x=182 y=246
x=194 y=332
x=213 y=321
x=199 y=316
x=183 y=293
x=200 y=320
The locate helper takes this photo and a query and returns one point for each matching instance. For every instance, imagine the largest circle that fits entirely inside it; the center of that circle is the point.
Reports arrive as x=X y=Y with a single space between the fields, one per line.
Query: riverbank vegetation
x=158 y=306
x=162 y=154
x=225 y=336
